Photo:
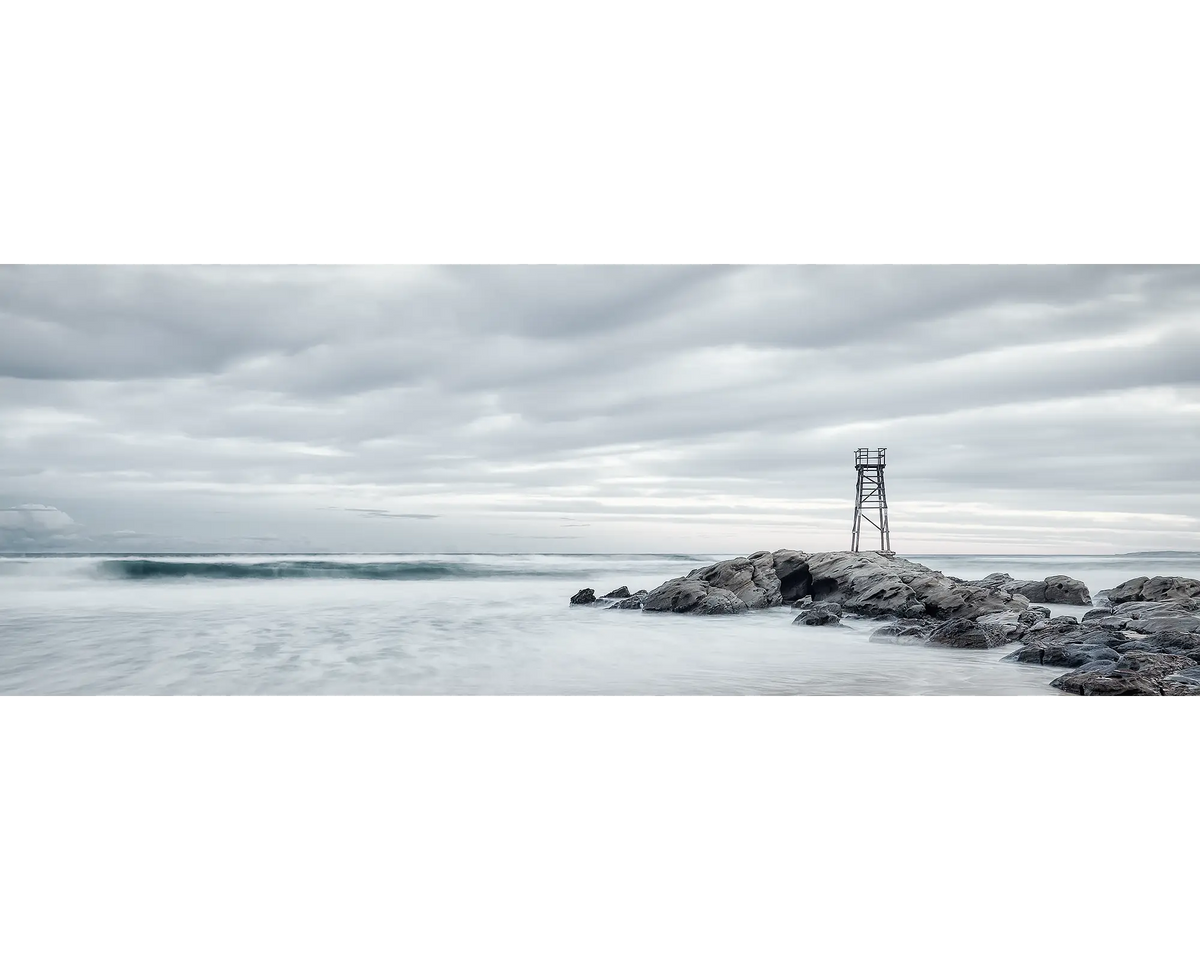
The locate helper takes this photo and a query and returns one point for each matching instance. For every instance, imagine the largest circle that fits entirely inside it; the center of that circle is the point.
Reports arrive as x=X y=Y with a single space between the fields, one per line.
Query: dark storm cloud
x=654 y=404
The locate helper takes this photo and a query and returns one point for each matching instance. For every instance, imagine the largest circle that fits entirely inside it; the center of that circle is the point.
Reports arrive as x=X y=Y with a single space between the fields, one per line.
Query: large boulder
x=619 y=594
x=586 y=595
x=878 y=585
x=689 y=595
x=763 y=579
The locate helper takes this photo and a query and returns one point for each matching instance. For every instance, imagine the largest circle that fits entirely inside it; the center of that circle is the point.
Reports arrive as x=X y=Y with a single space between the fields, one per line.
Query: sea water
x=463 y=624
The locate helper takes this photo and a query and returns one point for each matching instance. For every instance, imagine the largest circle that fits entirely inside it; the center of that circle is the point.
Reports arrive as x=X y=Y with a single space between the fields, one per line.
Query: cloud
x=34 y=526
x=659 y=407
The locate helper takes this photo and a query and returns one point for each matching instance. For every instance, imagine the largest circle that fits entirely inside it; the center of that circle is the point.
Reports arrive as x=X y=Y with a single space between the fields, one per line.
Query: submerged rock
x=632 y=602
x=820 y=614
x=904 y=632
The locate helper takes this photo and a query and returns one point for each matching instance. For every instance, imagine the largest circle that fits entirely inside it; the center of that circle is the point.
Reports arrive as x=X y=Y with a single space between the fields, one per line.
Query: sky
x=1040 y=409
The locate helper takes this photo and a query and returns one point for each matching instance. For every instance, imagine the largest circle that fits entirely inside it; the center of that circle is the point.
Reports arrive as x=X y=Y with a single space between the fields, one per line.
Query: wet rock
x=903 y=632
x=1134 y=674
x=820 y=614
x=1056 y=654
x=1177 y=624
x=1034 y=615
x=1165 y=641
x=967 y=634
x=632 y=602
x=586 y=595
x=1008 y=622
x=1187 y=675
x=619 y=594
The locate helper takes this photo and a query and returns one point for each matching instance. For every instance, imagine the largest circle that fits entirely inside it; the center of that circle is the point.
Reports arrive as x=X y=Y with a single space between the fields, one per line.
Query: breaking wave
x=359 y=568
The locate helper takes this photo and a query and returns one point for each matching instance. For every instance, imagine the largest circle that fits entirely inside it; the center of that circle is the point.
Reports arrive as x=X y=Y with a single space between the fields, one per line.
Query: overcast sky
x=576 y=409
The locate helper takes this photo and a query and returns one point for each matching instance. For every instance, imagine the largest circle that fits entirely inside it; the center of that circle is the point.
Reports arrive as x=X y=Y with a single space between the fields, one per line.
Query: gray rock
x=586 y=595
x=1055 y=654
x=1150 y=609
x=1134 y=674
x=1127 y=591
x=619 y=594
x=1165 y=641
x=791 y=567
x=632 y=602
x=1170 y=588
x=1181 y=623
x=751 y=579
x=1154 y=588
x=1056 y=589
x=875 y=585
x=905 y=632
x=1187 y=675
x=820 y=614
x=968 y=634
x=687 y=595
x=1008 y=622
x=1034 y=615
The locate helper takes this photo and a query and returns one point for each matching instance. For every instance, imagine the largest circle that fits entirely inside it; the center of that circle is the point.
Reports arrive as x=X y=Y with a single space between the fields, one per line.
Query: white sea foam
x=453 y=624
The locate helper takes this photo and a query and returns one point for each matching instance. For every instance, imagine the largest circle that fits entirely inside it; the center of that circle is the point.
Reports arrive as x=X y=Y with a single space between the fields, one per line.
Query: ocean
x=464 y=624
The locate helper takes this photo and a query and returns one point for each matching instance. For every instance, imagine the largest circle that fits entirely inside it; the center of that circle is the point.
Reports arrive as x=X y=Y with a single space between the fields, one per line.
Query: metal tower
x=871 y=496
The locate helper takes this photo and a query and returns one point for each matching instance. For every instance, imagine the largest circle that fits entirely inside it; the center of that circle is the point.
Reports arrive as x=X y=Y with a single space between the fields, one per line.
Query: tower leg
x=858 y=496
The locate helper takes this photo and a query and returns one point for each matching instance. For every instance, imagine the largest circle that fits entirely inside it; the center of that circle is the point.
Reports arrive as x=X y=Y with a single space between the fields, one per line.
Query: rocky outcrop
x=1056 y=589
x=1138 y=647
x=864 y=584
x=1145 y=639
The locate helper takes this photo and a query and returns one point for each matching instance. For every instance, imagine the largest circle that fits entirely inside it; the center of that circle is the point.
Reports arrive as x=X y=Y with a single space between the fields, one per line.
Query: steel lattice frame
x=871 y=497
